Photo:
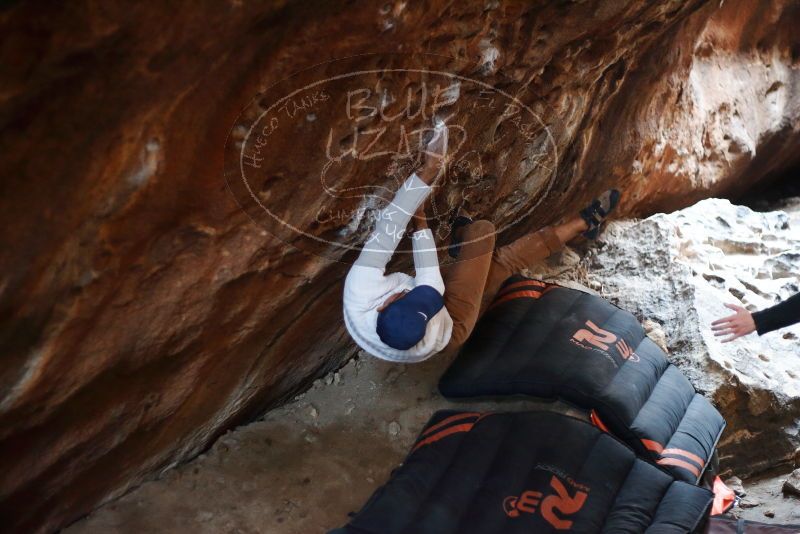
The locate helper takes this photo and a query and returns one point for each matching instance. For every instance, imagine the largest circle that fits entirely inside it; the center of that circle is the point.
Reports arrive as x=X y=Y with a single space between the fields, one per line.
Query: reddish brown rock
x=143 y=312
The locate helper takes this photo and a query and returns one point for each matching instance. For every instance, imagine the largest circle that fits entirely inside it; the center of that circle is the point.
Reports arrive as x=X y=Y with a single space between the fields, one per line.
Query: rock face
x=791 y=486
x=679 y=270
x=142 y=311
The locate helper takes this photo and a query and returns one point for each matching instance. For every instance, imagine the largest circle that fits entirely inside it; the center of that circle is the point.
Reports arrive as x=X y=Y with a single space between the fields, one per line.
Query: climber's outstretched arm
x=391 y=224
x=393 y=220
x=426 y=260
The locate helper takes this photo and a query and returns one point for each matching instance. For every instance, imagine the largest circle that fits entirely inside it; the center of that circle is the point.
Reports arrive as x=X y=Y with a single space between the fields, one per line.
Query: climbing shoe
x=595 y=214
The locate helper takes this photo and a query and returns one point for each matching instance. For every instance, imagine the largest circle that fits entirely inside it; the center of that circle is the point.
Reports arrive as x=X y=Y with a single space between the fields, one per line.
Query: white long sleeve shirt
x=367 y=287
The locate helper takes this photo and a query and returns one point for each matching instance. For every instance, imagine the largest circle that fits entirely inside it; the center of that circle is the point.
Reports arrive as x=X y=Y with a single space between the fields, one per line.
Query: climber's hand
x=735 y=326
x=435 y=155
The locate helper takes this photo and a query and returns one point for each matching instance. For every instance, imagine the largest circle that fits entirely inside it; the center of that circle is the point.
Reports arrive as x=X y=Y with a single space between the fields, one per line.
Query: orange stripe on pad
x=448 y=420
x=686 y=454
x=653 y=445
x=516 y=295
x=598 y=422
x=523 y=283
x=443 y=434
x=680 y=463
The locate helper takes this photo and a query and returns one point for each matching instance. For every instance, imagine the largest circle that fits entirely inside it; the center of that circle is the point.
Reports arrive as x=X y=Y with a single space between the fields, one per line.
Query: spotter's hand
x=734 y=326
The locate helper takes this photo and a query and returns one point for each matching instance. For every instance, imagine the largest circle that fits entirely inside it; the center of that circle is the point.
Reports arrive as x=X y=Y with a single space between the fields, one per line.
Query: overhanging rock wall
x=143 y=312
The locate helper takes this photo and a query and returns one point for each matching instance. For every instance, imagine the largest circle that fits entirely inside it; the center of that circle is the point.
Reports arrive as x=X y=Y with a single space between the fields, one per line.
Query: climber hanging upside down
x=401 y=318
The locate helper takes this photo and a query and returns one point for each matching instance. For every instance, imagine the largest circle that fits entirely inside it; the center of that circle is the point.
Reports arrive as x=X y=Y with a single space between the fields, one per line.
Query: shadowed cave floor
x=301 y=468
x=304 y=466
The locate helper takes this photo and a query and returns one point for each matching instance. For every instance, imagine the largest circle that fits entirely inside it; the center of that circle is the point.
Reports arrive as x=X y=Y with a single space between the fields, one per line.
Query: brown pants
x=472 y=282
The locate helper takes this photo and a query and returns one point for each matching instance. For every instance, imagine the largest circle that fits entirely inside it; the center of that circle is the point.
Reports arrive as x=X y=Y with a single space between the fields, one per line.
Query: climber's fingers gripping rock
x=435 y=154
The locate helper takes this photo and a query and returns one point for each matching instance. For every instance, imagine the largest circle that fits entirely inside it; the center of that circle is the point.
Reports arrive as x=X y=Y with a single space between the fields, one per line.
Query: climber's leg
x=526 y=252
x=535 y=247
x=465 y=279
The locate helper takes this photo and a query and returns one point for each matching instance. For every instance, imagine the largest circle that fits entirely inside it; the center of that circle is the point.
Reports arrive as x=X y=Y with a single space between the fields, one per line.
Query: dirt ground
x=764 y=501
x=305 y=466
x=302 y=468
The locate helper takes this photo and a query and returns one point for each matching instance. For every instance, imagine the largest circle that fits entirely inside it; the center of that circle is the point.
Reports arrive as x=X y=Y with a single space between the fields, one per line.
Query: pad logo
x=553 y=507
x=595 y=338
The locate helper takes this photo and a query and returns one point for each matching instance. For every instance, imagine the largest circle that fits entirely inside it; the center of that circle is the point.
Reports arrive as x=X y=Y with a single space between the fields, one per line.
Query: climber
x=401 y=318
x=743 y=322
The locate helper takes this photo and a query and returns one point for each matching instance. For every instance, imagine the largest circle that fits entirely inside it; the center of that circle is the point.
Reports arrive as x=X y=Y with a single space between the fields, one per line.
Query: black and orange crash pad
x=732 y=525
x=549 y=341
x=523 y=472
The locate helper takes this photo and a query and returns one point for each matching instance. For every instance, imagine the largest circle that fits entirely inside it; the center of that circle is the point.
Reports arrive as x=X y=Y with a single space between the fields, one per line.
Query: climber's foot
x=595 y=214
